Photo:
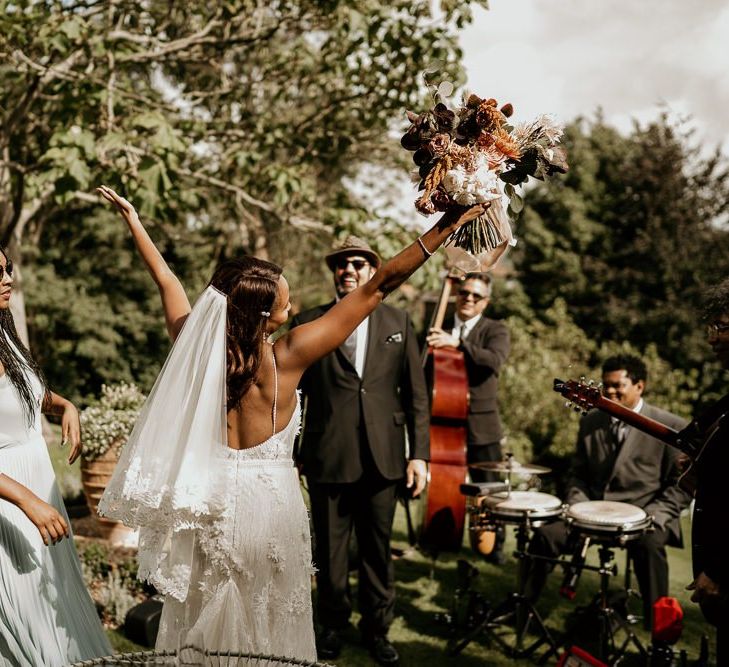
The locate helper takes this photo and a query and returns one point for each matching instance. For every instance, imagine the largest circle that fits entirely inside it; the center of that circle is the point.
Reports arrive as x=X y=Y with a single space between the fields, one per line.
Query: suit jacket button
x=362 y=390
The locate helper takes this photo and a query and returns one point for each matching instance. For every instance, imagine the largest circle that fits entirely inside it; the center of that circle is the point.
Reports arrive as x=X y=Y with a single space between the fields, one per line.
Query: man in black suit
x=360 y=400
x=617 y=462
x=485 y=346
x=708 y=535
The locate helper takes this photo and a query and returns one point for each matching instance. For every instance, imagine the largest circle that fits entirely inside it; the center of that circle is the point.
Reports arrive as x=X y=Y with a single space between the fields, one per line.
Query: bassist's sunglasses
x=464 y=294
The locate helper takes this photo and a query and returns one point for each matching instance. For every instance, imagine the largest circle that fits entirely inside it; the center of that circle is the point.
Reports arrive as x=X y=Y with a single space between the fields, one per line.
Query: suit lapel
x=344 y=361
x=373 y=335
x=478 y=328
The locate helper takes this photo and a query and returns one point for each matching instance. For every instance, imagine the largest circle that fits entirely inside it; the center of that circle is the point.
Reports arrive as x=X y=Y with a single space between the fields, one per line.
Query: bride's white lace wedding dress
x=250 y=585
x=223 y=533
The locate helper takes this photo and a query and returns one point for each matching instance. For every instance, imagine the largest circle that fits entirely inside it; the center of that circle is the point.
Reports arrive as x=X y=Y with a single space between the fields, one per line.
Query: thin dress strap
x=275 y=389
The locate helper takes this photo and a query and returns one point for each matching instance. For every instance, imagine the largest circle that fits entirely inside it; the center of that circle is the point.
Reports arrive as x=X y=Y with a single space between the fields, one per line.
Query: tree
x=629 y=238
x=231 y=125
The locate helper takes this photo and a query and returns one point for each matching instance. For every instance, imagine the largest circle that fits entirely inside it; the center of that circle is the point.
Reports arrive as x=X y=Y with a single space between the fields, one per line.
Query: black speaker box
x=142 y=622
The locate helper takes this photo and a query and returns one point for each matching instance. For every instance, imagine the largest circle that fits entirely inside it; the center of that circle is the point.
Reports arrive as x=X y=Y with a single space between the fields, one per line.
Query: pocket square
x=394 y=338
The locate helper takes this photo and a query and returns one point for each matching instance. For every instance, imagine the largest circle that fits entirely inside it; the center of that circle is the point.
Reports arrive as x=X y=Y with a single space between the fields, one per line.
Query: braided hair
x=251 y=286
x=17 y=366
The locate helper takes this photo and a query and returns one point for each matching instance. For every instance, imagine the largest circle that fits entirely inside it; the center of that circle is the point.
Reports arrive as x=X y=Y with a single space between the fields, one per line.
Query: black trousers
x=648 y=554
x=368 y=506
x=479 y=453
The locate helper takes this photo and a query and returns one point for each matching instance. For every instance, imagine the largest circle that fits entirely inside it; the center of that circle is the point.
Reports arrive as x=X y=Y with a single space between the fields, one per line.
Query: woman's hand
x=46 y=518
x=457 y=216
x=126 y=210
x=71 y=431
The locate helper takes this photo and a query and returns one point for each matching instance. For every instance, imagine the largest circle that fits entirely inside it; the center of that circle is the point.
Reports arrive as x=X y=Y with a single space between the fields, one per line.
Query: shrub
x=108 y=423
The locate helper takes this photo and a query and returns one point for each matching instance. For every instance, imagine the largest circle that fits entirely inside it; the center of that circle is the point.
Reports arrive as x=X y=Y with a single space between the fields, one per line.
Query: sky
x=632 y=58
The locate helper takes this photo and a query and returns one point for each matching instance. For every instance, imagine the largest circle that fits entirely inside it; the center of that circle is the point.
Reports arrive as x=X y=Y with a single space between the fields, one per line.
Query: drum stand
x=517 y=610
x=609 y=621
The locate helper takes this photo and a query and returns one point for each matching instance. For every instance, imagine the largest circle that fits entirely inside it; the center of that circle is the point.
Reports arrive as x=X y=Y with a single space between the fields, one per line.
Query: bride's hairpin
x=265 y=313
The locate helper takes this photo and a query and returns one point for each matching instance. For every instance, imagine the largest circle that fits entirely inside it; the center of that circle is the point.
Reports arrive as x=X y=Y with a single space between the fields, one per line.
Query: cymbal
x=510 y=467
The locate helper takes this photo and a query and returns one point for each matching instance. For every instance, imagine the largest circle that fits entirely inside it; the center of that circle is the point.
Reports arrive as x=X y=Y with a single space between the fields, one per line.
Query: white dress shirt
x=470 y=323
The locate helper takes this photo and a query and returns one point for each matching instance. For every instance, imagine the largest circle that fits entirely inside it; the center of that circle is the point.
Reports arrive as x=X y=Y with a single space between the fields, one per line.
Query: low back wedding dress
x=224 y=533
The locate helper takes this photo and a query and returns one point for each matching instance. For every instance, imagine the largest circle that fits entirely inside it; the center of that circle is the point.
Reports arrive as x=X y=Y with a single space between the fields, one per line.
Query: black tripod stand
x=515 y=617
x=608 y=620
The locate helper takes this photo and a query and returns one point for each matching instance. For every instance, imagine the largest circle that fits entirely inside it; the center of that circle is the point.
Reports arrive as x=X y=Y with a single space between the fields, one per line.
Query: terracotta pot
x=95 y=475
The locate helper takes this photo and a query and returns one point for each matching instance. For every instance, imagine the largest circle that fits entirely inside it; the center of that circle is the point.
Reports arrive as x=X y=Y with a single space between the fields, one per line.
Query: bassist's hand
x=439 y=338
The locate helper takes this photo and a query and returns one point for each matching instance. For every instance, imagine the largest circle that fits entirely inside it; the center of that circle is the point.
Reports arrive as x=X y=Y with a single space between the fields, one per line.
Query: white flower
x=453 y=180
x=552 y=129
x=465 y=199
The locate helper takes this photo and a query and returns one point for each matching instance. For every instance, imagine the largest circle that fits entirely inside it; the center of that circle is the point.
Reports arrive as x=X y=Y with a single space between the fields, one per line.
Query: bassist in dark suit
x=360 y=399
x=485 y=346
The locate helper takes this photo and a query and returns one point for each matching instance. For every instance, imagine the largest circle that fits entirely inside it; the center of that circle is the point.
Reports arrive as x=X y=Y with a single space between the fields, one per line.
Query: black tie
x=617 y=430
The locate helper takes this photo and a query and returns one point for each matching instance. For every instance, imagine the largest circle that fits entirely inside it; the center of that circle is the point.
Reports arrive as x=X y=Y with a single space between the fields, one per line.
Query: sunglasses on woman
x=8 y=268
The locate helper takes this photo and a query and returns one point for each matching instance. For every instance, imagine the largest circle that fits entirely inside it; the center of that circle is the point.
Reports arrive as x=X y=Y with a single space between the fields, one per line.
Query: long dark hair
x=251 y=286
x=16 y=367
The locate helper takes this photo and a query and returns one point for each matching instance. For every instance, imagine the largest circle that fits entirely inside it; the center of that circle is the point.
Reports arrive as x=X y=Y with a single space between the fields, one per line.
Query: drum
x=520 y=507
x=608 y=520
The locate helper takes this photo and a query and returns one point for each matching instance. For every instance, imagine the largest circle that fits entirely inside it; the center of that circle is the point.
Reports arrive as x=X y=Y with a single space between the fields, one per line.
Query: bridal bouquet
x=473 y=155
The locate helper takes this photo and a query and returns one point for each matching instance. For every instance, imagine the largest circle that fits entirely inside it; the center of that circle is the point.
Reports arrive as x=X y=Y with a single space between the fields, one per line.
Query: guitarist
x=708 y=536
x=616 y=462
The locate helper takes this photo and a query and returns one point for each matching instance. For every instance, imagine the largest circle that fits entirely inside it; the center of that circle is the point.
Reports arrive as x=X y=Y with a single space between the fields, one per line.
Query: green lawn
x=425 y=590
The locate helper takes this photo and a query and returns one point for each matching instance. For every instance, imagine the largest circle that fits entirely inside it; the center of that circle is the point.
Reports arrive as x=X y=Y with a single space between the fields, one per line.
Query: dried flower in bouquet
x=472 y=155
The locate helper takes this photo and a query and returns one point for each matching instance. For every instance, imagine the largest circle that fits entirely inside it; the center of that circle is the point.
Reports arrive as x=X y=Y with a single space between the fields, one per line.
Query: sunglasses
x=8 y=268
x=357 y=264
x=464 y=294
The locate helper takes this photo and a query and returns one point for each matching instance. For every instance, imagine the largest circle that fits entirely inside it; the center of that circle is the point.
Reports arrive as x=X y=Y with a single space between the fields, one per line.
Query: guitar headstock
x=582 y=395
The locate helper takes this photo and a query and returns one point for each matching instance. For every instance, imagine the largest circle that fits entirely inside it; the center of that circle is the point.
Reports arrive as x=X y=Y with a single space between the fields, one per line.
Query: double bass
x=444 y=508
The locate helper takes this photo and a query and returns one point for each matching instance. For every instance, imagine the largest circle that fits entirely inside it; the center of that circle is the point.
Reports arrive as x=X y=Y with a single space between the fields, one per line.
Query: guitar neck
x=650 y=426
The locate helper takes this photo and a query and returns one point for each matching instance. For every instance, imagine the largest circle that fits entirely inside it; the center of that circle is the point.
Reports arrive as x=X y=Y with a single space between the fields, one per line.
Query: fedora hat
x=352 y=245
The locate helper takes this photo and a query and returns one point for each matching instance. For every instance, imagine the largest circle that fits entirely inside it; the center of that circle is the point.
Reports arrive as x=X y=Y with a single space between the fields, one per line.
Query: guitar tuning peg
x=577 y=408
x=584 y=411
x=567 y=404
x=582 y=378
x=591 y=383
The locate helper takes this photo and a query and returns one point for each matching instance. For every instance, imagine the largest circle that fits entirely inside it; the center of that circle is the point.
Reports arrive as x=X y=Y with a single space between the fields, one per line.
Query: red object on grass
x=576 y=657
x=667 y=620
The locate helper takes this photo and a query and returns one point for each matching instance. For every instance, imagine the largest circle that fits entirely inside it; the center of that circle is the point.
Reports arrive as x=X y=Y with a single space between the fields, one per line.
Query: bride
x=207 y=473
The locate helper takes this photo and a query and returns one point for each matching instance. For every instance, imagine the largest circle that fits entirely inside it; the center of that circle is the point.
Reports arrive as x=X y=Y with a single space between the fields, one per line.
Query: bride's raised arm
x=304 y=344
x=174 y=300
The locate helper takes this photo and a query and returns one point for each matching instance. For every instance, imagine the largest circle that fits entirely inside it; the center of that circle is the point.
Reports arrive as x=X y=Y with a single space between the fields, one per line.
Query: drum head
x=608 y=517
x=522 y=505
x=608 y=514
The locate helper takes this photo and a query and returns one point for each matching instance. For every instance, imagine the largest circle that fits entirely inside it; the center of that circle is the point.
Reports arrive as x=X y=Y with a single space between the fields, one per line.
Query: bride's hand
x=126 y=210
x=457 y=216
